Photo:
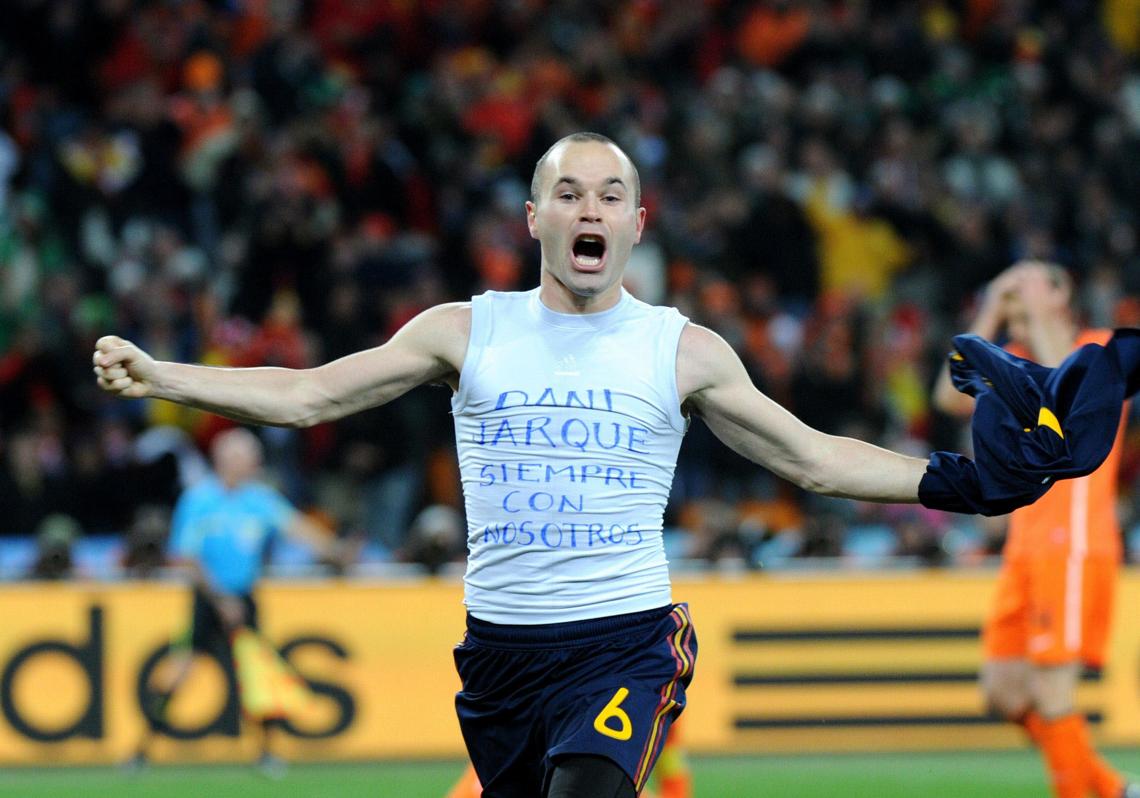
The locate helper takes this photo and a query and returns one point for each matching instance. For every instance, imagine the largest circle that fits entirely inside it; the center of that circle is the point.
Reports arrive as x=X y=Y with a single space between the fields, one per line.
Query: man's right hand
x=230 y=610
x=995 y=300
x=123 y=369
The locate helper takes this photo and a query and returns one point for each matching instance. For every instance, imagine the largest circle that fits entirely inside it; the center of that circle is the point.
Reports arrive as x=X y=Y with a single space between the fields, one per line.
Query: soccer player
x=220 y=529
x=569 y=404
x=1053 y=603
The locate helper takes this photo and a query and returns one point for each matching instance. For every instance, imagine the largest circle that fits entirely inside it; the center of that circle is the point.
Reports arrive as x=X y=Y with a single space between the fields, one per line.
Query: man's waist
x=564 y=602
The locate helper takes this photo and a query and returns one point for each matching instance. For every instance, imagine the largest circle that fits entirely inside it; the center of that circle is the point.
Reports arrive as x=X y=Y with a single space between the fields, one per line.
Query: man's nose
x=591 y=209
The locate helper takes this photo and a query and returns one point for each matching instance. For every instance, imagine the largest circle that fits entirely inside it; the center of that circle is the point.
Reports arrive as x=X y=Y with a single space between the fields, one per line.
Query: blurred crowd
x=829 y=187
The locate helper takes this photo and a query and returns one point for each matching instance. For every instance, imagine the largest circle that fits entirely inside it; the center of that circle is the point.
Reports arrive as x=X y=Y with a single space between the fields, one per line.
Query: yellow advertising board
x=74 y=659
x=864 y=661
x=853 y=661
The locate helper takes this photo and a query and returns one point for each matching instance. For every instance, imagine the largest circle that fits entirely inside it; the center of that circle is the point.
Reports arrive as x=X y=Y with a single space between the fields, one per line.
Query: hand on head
x=1043 y=286
x=1006 y=283
x=1027 y=287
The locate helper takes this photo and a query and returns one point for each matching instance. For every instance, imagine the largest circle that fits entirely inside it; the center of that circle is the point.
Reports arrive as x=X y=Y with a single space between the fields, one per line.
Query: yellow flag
x=270 y=688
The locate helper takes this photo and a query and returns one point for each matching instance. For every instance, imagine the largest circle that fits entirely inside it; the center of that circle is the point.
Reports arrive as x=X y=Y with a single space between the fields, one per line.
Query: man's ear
x=641 y=212
x=530 y=220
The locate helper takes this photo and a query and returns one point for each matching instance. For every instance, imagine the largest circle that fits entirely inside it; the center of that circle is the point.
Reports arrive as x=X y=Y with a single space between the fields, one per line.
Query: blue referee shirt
x=227 y=531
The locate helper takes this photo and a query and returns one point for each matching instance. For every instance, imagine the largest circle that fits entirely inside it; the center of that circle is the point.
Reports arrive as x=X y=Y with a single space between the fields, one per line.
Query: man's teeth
x=588 y=260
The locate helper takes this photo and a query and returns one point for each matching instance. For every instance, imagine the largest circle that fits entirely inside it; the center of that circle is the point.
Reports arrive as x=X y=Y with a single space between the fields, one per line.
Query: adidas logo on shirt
x=566 y=367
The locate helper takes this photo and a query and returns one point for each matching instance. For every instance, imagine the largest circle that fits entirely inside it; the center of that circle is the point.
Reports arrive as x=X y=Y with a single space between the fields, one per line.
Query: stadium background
x=829 y=185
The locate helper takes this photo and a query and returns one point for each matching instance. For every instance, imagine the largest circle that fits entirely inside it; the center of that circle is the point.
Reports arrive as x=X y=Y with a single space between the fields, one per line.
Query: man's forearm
x=947 y=398
x=264 y=395
x=854 y=469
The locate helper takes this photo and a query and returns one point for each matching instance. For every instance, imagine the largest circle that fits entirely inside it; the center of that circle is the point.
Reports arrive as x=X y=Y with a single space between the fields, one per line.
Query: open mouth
x=589 y=251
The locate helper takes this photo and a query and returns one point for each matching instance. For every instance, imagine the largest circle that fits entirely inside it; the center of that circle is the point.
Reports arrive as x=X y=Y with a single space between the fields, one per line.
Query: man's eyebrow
x=573 y=181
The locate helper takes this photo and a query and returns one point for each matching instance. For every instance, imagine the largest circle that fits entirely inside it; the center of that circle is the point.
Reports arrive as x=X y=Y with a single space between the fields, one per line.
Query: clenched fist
x=122 y=368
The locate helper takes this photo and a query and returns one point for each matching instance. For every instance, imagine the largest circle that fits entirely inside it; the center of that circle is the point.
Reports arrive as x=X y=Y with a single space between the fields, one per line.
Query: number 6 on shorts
x=613 y=710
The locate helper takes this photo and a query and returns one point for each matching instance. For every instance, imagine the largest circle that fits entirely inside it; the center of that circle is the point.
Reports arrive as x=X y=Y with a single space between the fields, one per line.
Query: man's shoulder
x=447 y=322
x=700 y=342
x=449 y=313
x=480 y=303
x=1093 y=335
x=203 y=489
x=258 y=491
x=664 y=311
x=492 y=295
x=704 y=359
x=201 y=498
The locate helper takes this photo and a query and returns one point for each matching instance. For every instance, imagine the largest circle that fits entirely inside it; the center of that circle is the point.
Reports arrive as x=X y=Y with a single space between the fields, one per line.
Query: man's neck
x=557 y=297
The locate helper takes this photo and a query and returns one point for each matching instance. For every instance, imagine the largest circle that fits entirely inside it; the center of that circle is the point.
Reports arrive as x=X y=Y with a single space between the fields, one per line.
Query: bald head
x=236 y=454
x=542 y=166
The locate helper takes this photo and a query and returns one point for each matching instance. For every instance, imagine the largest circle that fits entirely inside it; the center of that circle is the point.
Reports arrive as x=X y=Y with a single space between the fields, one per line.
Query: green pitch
x=1006 y=774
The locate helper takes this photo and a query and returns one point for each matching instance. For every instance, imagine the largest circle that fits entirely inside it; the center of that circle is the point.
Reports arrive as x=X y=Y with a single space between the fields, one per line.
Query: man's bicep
x=429 y=348
x=756 y=427
x=737 y=412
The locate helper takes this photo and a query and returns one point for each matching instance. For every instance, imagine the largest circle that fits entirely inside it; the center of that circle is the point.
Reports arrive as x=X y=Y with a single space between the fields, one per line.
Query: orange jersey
x=1076 y=514
x=1054 y=596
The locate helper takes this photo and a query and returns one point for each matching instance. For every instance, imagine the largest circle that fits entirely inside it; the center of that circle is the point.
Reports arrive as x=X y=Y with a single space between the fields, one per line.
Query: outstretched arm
x=430 y=347
x=322 y=540
x=713 y=381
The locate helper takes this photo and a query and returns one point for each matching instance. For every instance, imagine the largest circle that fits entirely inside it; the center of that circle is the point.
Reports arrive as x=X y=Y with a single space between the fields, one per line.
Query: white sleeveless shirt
x=568 y=428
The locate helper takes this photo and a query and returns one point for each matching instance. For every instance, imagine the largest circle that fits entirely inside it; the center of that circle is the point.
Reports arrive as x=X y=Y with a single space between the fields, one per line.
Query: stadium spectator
x=55 y=537
x=146 y=542
x=437 y=537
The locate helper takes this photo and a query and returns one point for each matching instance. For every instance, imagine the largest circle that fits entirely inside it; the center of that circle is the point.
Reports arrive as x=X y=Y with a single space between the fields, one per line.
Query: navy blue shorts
x=208 y=633
x=608 y=687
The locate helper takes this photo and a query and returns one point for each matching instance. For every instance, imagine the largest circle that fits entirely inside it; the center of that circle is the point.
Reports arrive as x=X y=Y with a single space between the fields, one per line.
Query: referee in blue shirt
x=221 y=528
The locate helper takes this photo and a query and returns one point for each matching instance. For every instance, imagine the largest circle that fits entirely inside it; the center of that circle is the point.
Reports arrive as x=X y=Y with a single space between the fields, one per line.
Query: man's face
x=586 y=218
x=237 y=457
x=1038 y=294
x=1016 y=317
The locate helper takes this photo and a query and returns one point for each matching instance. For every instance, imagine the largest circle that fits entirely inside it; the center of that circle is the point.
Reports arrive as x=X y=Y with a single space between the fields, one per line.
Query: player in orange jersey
x=1051 y=612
